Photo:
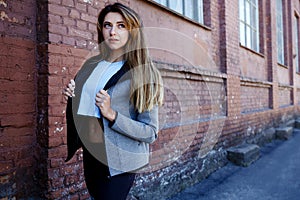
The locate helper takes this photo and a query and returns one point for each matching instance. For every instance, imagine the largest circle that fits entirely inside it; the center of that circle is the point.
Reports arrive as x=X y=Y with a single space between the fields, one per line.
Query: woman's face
x=115 y=32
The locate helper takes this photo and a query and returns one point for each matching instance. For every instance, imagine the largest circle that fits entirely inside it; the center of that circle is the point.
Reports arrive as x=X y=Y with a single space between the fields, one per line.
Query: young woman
x=112 y=109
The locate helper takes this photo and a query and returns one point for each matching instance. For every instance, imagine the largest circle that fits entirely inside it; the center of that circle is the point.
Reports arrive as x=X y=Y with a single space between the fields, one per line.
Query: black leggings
x=100 y=184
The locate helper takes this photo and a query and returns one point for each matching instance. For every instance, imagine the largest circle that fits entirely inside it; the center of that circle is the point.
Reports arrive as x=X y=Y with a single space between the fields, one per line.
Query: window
x=249 y=31
x=280 y=32
x=296 y=28
x=192 y=9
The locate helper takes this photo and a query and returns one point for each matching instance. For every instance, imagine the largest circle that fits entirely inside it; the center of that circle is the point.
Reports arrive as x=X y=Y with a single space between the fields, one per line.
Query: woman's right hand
x=69 y=91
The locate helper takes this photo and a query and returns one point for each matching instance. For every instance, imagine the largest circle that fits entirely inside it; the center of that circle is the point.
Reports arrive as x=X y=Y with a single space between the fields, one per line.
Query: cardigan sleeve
x=73 y=140
x=144 y=128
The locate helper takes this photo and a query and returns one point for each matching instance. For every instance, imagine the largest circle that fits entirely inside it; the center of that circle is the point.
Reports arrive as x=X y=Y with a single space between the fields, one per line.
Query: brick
x=55 y=142
x=68 y=40
x=69 y=22
x=55 y=38
x=5 y=166
x=93 y=11
x=58 y=29
x=75 y=14
x=79 y=33
x=69 y=3
x=55 y=19
x=57 y=152
x=81 y=7
x=58 y=10
x=25 y=163
x=18 y=120
x=81 y=24
x=88 y=18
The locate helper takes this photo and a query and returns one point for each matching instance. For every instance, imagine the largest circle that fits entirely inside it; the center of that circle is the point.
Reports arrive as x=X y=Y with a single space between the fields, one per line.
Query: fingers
x=102 y=98
x=72 y=82
x=103 y=102
x=69 y=91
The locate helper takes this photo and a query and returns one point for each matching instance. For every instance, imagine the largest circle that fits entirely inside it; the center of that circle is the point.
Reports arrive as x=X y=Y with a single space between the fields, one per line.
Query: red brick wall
x=217 y=93
x=254 y=98
x=18 y=143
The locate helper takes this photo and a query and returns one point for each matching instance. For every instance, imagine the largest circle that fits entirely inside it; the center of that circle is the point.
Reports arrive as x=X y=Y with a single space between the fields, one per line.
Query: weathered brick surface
x=285 y=96
x=217 y=93
x=18 y=142
x=254 y=97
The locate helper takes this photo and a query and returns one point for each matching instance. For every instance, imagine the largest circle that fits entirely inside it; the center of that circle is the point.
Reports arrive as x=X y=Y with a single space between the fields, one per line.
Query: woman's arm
x=144 y=128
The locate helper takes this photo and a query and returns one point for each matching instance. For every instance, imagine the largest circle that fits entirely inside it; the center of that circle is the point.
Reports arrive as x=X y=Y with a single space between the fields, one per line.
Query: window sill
x=251 y=50
x=179 y=15
x=282 y=65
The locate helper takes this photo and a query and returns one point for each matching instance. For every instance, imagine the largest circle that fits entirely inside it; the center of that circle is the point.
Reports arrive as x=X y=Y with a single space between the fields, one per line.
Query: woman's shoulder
x=93 y=60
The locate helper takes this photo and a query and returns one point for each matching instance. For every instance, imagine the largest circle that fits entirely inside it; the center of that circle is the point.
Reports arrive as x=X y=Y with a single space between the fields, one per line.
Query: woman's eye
x=106 y=25
x=121 y=26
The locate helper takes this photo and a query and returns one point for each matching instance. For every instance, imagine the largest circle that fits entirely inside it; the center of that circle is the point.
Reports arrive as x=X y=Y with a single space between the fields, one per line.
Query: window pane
x=253 y=17
x=249 y=28
x=242 y=34
x=242 y=10
x=200 y=11
x=254 y=41
x=247 y=12
x=248 y=37
x=279 y=31
x=163 y=2
x=188 y=9
x=296 y=27
x=279 y=5
x=176 y=5
x=192 y=9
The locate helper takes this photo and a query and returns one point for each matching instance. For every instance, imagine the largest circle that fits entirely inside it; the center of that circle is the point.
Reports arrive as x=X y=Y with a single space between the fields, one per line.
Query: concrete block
x=297 y=123
x=243 y=155
x=284 y=133
x=266 y=136
x=291 y=123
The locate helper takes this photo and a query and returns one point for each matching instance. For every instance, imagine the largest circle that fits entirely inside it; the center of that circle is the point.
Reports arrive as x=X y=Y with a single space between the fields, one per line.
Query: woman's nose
x=113 y=30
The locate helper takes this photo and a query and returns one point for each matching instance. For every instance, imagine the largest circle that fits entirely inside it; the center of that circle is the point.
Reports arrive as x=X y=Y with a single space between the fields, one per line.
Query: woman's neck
x=115 y=57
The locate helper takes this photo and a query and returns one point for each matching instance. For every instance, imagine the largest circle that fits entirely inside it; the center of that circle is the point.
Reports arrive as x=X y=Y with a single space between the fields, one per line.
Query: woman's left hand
x=103 y=103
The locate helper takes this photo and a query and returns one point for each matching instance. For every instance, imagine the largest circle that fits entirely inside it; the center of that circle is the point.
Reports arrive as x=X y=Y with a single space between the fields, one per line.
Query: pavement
x=274 y=176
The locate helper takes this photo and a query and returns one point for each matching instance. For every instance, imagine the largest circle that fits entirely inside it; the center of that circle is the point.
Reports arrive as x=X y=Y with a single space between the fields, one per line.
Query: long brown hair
x=146 y=84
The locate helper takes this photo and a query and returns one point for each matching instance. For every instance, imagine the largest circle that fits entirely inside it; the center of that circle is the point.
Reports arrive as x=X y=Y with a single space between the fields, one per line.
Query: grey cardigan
x=126 y=139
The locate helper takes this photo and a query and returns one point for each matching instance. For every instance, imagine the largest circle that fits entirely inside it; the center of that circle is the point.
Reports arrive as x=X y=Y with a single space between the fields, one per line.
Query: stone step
x=297 y=123
x=243 y=155
x=284 y=133
x=291 y=123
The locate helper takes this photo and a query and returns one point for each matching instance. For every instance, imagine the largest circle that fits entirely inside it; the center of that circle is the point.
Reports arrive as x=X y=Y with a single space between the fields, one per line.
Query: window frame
x=249 y=29
x=297 y=42
x=280 y=33
x=198 y=14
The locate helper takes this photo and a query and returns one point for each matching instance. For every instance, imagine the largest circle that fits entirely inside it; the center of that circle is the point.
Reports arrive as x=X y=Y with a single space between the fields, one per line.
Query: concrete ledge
x=291 y=123
x=265 y=137
x=297 y=123
x=243 y=155
x=284 y=133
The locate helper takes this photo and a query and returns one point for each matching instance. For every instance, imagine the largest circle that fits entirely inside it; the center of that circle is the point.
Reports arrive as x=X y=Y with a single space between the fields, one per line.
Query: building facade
x=230 y=70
